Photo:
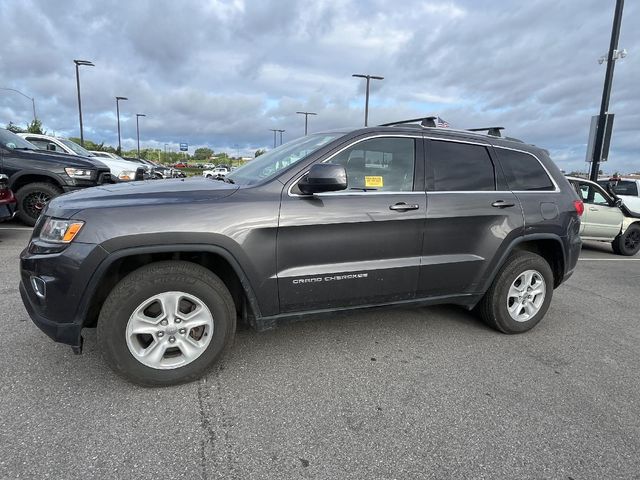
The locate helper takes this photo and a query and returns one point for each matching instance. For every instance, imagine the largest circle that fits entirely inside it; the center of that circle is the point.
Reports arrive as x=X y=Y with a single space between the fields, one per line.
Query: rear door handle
x=403 y=207
x=593 y=209
x=502 y=204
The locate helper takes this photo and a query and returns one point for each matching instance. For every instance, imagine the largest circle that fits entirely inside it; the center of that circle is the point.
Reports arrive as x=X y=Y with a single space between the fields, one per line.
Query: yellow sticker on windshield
x=373 y=182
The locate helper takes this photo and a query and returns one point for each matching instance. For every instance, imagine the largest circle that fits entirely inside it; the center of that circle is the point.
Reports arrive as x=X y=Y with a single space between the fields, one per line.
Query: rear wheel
x=520 y=295
x=32 y=198
x=628 y=243
x=166 y=323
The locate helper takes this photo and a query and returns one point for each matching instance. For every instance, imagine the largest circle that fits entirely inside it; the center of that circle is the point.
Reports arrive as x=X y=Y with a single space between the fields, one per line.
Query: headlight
x=79 y=173
x=127 y=175
x=60 y=231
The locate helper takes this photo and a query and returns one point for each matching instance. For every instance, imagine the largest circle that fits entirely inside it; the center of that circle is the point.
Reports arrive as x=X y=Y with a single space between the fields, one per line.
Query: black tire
x=628 y=243
x=144 y=283
x=493 y=306
x=32 y=198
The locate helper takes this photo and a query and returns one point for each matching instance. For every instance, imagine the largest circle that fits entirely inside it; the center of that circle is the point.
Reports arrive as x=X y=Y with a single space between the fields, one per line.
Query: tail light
x=579 y=206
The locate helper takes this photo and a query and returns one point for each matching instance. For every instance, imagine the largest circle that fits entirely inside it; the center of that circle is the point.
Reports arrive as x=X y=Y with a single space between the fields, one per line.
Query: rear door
x=471 y=217
x=358 y=246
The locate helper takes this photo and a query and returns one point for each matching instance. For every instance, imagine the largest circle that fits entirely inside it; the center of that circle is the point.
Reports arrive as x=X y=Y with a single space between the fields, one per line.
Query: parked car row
x=37 y=175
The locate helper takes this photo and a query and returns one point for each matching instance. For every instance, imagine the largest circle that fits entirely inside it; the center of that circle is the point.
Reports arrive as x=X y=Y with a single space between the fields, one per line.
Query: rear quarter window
x=523 y=171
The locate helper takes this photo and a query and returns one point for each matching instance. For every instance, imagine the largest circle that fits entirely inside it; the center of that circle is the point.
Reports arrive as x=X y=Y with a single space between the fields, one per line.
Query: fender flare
x=112 y=257
x=40 y=173
x=512 y=246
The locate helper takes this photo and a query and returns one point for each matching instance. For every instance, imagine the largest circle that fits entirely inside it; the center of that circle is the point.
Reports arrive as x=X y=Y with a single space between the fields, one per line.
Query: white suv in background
x=607 y=218
x=121 y=169
x=216 y=172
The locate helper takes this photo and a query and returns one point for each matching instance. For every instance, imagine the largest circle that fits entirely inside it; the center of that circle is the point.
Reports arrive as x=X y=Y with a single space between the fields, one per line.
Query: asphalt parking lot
x=423 y=393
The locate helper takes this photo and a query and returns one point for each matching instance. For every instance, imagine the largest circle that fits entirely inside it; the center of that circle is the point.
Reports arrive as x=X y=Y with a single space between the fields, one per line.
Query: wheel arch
x=19 y=180
x=548 y=246
x=122 y=262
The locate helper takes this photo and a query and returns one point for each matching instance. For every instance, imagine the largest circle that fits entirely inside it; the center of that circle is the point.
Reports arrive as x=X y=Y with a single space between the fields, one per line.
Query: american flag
x=442 y=123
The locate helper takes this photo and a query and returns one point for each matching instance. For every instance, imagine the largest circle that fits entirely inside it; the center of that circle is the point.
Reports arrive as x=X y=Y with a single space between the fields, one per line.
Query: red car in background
x=180 y=165
x=7 y=200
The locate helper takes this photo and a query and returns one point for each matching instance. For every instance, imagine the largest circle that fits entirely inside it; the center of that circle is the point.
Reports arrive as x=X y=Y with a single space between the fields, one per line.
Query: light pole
x=33 y=102
x=138 y=115
x=606 y=92
x=118 y=115
x=78 y=63
x=281 y=132
x=366 y=102
x=306 y=117
x=274 y=130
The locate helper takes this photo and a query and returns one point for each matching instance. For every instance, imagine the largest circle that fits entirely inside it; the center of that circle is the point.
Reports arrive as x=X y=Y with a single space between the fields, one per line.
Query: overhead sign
x=184 y=147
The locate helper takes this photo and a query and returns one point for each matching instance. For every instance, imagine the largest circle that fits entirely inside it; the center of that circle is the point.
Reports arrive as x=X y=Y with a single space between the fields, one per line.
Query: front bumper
x=60 y=308
x=67 y=333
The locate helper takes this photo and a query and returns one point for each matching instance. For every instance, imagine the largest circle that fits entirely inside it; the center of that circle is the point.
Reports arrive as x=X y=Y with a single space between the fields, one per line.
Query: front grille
x=104 y=177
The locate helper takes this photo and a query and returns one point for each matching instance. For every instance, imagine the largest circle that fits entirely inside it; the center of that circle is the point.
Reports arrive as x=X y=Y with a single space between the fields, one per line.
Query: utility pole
x=138 y=115
x=274 y=130
x=118 y=115
x=606 y=93
x=78 y=63
x=306 y=117
x=366 y=102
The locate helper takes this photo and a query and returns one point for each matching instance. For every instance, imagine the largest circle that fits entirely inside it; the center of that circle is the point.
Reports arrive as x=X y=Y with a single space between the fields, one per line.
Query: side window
x=592 y=195
x=380 y=164
x=523 y=171
x=626 y=187
x=459 y=167
x=41 y=144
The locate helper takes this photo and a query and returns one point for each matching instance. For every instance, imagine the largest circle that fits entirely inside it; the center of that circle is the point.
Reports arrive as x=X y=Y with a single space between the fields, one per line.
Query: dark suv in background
x=401 y=214
x=36 y=176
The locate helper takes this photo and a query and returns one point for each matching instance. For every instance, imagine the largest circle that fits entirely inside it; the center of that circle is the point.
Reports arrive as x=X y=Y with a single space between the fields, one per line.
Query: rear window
x=523 y=171
x=622 y=187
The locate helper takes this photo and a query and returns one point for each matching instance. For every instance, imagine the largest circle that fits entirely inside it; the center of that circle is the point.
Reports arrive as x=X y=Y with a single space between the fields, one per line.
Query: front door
x=601 y=219
x=358 y=246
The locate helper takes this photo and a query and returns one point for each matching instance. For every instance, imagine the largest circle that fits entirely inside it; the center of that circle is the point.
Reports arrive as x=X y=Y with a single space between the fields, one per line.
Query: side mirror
x=323 y=177
x=51 y=147
x=618 y=202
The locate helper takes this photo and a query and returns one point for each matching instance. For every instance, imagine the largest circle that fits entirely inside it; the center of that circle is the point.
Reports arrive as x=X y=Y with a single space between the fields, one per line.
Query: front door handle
x=593 y=209
x=403 y=207
x=502 y=204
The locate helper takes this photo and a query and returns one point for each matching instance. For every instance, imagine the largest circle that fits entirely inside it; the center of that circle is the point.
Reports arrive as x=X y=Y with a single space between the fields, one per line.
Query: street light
x=612 y=56
x=366 y=102
x=78 y=63
x=281 y=132
x=118 y=115
x=274 y=130
x=306 y=116
x=138 y=115
x=33 y=102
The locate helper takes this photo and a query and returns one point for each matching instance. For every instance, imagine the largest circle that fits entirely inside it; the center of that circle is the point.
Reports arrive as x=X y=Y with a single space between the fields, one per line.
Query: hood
x=152 y=192
x=63 y=159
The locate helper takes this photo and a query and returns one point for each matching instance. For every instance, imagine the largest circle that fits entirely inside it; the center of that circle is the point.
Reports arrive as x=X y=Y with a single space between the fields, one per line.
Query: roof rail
x=493 y=131
x=424 y=122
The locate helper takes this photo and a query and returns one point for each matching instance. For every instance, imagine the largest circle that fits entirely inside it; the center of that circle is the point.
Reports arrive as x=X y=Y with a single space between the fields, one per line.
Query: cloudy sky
x=221 y=73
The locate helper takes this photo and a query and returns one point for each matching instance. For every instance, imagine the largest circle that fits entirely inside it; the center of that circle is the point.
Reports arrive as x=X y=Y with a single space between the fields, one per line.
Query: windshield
x=76 y=148
x=270 y=163
x=11 y=140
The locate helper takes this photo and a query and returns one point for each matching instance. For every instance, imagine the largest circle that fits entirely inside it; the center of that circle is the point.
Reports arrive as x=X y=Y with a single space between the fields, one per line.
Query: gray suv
x=400 y=214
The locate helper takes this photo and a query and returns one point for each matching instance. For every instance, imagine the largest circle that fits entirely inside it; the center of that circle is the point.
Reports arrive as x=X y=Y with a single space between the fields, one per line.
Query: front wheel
x=32 y=198
x=520 y=295
x=627 y=243
x=166 y=323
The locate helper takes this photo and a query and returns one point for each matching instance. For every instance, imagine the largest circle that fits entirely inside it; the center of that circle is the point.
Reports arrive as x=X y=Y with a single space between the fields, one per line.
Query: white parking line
x=610 y=259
